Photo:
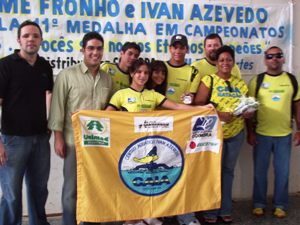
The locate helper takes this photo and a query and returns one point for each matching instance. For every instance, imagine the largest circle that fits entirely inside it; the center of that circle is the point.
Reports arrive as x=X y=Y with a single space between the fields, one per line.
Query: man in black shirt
x=26 y=81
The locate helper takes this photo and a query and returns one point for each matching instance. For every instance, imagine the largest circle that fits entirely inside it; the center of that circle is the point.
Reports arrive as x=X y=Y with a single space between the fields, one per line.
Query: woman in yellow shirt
x=224 y=91
x=137 y=98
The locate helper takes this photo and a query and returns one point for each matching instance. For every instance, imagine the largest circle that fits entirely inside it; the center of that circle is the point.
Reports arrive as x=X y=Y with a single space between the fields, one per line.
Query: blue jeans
x=231 y=150
x=281 y=149
x=30 y=157
x=69 y=194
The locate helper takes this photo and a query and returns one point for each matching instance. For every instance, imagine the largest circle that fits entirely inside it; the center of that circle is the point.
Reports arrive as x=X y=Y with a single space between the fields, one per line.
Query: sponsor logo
x=111 y=71
x=171 y=91
x=95 y=131
x=151 y=124
x=131 y=100
x=265 y=85
x=151 y=165
x=276 y=98
x=203 y=135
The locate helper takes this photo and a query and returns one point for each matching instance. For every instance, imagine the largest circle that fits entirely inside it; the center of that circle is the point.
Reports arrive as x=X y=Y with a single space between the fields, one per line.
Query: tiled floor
x=241 y=214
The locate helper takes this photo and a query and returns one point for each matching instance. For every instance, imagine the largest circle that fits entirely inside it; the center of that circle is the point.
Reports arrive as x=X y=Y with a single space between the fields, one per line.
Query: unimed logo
x=95 y=131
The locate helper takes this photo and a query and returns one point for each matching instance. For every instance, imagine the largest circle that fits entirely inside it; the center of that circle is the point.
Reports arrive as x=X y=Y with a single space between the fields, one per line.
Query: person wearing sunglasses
x=271 y=132
x=224 y=90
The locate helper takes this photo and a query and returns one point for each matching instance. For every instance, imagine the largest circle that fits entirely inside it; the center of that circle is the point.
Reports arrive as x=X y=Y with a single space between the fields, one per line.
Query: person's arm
x=48 y=101
x=251 y=136
x=110 y=108
x=59 y=144
x=202 y=95
x=168 y=104
x=57 y=113
x=3 y=156
x=296 y=106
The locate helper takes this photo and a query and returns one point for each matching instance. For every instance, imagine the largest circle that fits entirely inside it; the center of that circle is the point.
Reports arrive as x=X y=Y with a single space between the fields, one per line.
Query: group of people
x=133 y=85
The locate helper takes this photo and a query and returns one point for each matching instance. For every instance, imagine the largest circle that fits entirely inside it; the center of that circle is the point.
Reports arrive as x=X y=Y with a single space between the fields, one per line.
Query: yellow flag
x=145 y=165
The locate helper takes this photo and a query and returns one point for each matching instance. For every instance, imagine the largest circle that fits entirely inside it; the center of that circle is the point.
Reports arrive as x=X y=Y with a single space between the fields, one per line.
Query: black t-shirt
x=23 y=90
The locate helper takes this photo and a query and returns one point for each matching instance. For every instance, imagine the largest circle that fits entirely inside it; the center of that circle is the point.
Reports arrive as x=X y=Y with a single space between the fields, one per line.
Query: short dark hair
x=28 y=23
x=127 y=45
x=272 y=47
x=225 y=48
x=158 y=65
x=213 y=36
x=135 y=66
x=91 y=35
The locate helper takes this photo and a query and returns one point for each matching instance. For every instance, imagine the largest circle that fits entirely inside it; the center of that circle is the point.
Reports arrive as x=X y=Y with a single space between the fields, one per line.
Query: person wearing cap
x=208 y=64
x=182 y=78
x=119 y=72
x=271 y=131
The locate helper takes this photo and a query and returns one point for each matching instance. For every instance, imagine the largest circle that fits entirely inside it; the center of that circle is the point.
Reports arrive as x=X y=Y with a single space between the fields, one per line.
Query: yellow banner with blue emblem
x=145 y=165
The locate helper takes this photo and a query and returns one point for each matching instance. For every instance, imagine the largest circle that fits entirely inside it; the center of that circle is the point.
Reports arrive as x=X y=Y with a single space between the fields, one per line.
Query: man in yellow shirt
x=182 y=78
x=278 y=93
x=130 y=52
x=207 y=65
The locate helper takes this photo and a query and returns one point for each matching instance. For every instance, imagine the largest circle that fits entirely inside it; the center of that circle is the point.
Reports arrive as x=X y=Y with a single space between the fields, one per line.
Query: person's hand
x=59 y=144
x=225 y=116
x=187 y=98
x=3 y=156
x=248 y=114
x=251 y=138
x=296 y=138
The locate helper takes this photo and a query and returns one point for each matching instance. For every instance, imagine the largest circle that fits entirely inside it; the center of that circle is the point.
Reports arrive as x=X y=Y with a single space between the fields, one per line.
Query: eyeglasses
x=276 y=55
x=230 y=89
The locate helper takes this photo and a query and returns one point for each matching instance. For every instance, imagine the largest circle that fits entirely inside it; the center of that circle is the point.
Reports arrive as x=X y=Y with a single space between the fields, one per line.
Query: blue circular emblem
x=151 y=165
x=171 y=91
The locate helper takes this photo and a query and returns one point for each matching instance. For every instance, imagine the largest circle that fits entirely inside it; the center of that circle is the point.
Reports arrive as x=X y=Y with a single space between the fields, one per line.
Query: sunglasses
x=276 y=55
x=230 y=89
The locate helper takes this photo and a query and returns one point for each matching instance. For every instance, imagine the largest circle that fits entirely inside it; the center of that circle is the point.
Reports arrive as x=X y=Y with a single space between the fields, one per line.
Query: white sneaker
x=153 y=221
x=195 y=222
x=137 y=223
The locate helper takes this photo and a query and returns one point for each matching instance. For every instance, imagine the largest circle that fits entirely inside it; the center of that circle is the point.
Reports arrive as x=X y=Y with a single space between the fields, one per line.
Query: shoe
x=258 y=212
x=153 y=221
x=194 y=222
x=279 y=213
x=210 y=220
x=226 y=219
x=137 y=223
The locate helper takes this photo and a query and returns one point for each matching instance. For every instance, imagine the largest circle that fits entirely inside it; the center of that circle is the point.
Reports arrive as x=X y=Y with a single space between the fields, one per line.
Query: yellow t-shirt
x=206 y=68
x=227 y=100
x=275 y=98
x=181 y=80
x=131 y=100
x=119 y=77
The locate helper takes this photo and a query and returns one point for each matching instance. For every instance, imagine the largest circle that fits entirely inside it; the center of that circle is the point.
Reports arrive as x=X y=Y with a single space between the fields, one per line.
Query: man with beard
x=26 y=82
x=271 y=131
x=130 y=52
x=207 y=65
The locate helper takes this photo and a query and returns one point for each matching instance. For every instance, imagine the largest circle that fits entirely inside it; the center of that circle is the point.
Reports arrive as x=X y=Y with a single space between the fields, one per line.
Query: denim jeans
x=69 y=193
x=281 y=149
x=28 y=156
x=231 y=150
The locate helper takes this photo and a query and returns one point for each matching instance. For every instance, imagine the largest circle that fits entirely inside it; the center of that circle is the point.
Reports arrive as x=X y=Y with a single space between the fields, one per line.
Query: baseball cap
x=179 y=38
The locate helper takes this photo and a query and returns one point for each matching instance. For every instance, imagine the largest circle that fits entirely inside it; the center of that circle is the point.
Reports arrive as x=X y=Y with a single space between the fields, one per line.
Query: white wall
x=243 y=179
